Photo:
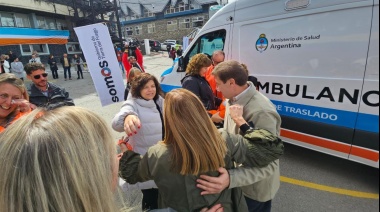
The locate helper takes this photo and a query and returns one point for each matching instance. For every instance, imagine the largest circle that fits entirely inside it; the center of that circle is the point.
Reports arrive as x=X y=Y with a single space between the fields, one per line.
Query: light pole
x=92 y=11
x=118 y=22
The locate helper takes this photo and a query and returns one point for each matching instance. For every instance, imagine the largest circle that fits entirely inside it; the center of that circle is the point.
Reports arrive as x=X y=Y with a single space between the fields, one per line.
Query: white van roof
x=227 y=15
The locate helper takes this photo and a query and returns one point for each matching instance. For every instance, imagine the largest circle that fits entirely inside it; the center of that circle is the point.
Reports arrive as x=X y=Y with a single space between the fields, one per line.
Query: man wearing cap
x=41 y=92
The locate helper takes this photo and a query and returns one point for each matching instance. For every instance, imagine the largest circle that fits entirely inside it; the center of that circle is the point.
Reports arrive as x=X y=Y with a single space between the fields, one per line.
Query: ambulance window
x=207 y=44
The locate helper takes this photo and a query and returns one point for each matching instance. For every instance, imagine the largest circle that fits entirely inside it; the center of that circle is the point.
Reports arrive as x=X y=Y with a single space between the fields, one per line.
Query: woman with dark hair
x=173 y=53
x=144 y=109
x=53 y=66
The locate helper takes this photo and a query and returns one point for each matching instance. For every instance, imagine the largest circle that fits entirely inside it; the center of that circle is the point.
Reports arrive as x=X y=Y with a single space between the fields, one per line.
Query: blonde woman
x=196 y=82
x=13 y=100
x=192 y=146
x=60 y=160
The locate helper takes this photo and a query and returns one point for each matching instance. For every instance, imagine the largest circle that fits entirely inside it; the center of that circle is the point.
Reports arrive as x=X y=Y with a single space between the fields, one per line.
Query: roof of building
x=155 y=6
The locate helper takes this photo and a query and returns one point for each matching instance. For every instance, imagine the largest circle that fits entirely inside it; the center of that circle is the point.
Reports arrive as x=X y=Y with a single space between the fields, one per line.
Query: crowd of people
x=10 y=59
x=173 y=151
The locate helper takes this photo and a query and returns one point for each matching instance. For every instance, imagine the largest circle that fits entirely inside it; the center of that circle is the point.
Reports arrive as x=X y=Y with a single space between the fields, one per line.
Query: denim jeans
x=255 y=206
x=150 y=199
x=121 y=66
x=67 y=70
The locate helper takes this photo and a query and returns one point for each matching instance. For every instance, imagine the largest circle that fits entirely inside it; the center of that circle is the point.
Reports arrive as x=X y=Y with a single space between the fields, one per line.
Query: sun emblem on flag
x=262 y=43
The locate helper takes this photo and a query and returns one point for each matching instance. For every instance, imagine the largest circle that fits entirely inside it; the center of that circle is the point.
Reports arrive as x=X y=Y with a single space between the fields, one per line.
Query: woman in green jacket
x=192 y=146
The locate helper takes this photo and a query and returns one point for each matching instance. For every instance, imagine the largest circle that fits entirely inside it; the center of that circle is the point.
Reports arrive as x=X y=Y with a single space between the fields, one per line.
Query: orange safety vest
x=19 y=115
x=211 y=80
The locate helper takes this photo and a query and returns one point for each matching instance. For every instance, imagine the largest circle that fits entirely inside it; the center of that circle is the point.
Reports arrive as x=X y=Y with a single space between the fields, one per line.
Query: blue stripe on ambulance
x=365 y=122
x=168 y=88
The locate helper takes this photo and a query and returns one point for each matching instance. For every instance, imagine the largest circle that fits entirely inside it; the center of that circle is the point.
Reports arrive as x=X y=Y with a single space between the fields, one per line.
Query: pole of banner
x=118 y=22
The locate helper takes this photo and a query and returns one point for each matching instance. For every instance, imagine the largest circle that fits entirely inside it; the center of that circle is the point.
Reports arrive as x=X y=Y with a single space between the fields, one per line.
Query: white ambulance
x=317 y=60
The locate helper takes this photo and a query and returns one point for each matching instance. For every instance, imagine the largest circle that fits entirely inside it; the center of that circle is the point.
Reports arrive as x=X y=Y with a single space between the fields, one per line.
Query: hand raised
x=236 y=113
x=131 y=125
x=24 y=105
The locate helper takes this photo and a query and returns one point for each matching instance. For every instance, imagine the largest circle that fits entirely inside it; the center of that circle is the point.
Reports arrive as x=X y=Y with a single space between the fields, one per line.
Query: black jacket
x=168 y=47
x=53 y=64
x=56 y=97
x=179 y=52
x=200 y=87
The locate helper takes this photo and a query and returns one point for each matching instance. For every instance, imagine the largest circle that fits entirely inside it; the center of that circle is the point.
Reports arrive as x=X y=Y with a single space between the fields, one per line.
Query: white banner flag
x=102 y=63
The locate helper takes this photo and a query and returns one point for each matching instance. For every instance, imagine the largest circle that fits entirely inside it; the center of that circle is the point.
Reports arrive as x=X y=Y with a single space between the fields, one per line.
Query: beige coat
x=261 y=184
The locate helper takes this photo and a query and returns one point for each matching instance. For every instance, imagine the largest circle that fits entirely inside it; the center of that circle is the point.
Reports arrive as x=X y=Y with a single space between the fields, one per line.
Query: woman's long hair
x=196 y=144
x=60 y=160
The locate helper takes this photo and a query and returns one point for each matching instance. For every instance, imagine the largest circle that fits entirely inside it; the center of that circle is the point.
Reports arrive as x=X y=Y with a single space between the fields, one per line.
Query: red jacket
x=128 y=66
x=126 y=63
x=140 y=58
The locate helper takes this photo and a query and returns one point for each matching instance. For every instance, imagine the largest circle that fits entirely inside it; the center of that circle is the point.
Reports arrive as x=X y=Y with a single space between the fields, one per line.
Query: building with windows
x=32 y=25
x=163 y=19
x=46 y=26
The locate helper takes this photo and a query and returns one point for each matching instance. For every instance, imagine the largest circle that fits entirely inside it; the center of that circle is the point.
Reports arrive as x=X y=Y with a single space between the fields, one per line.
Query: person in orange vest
x=217 y=57
x=217 y=115
x=13 y=100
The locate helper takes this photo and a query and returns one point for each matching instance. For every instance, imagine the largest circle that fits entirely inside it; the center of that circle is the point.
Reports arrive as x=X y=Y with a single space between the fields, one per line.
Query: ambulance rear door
x=365 y=148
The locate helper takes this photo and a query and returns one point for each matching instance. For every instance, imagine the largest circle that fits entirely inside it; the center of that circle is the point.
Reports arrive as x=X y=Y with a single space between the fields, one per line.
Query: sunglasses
x=44 y=75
